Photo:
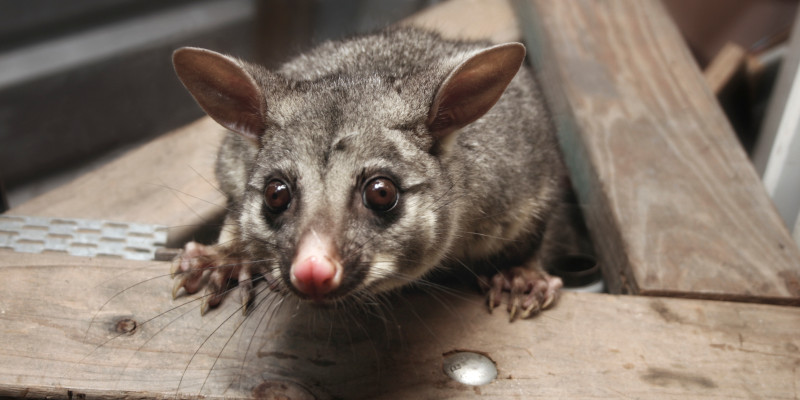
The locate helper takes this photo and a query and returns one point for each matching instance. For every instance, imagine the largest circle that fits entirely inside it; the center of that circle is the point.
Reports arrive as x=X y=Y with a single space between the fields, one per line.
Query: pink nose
x=315 y=276
x=316 y=270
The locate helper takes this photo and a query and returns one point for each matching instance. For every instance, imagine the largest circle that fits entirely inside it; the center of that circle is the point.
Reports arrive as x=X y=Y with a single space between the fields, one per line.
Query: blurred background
x=83 y=80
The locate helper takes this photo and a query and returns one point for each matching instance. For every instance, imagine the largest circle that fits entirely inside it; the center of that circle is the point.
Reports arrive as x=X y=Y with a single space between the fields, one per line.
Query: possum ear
x=225 y=91
x=472 y=88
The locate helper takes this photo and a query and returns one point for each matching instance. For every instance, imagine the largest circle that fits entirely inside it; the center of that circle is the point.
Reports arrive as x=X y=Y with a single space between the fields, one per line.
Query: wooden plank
x=175 y=172
x=673 y=204
x=491 y=20
x=76 y=95
x=59 y=317
x=169 y=181
x=724 y=67
x=57 y=336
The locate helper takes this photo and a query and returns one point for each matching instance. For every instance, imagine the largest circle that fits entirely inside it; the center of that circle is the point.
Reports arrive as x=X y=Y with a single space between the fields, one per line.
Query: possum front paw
x=530 y=290
x=225 y=271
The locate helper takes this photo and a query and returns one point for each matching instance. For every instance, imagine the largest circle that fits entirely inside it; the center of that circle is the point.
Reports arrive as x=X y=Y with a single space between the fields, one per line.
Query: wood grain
x=672 y=202
x=491 y=20
x=168 y=181
x=71 y=94
x=59 y=337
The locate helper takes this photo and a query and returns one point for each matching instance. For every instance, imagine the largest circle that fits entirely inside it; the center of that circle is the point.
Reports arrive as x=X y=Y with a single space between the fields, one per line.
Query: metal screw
x=469 y=368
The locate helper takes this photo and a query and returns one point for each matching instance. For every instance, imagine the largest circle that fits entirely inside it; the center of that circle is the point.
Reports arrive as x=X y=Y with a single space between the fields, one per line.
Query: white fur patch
x=383 y=266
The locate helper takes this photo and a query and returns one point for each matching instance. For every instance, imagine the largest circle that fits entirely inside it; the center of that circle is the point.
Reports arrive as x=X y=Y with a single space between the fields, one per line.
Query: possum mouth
x=328 y=300
x=357 y=283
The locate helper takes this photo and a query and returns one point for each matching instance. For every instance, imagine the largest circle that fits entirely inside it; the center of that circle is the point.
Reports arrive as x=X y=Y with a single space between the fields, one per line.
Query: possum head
x=349 y=191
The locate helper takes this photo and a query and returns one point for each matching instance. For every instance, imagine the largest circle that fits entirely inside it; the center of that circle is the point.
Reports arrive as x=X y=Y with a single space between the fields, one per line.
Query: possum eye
x=380 y=194
x=277 y=196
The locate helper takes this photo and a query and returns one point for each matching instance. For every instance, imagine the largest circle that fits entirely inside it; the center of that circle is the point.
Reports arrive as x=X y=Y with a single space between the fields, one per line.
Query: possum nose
x=315 y=276
x=316 y=270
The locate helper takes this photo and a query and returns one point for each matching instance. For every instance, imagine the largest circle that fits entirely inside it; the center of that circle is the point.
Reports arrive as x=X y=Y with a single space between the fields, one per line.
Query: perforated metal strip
x=81 y=237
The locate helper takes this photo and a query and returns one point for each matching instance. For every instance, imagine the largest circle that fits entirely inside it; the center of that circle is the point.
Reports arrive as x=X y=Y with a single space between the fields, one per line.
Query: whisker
x=277 y=298
x=157 y=332
x=215 y=187
x=175 y=191
x=183 y=375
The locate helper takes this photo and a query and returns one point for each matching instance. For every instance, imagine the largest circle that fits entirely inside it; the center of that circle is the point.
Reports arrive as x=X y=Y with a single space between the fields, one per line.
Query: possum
x=373 y=163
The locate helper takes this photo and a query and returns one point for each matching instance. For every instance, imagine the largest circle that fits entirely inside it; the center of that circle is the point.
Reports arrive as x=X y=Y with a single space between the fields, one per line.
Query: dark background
x=83 y=80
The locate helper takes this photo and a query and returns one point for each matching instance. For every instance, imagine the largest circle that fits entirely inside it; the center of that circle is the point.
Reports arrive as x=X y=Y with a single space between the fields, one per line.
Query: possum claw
x=212 y=297
x=531 y=290
x=548 y=301
x=203 y=306
x=494 y=289
x=518 y=286
x=247 y=294
x=226 y=270
x=189 y=281
x=177 y=287
x=188 y=266
x=512 y=309
x=527 y=312
x=175 y=268
x=550 y=296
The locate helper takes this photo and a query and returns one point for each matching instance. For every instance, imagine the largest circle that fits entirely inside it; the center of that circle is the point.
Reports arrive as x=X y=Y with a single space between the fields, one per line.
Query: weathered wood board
x=675 y=207
x=60 y=314
x=175 y=172
x=491 y=20
x=104 y=81
x=673 y=204
x=726 y=65
x=59 y=339
x=168 y=181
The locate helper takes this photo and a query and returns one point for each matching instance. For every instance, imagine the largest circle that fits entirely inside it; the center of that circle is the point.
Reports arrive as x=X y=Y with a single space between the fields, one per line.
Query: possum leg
x=530 y=290
x=223 y=266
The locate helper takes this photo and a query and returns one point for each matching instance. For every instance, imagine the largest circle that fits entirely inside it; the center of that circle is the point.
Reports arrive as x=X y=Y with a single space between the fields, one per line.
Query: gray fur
x=352 y=109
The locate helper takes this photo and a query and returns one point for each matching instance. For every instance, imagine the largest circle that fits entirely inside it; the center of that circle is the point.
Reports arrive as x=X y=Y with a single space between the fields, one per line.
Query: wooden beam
x=59 y=337
x=725 y=66
x=491 y=20
x=168 y=181
x=61 y=317
x=175 y=172
x=672 y=202
x=79 y=94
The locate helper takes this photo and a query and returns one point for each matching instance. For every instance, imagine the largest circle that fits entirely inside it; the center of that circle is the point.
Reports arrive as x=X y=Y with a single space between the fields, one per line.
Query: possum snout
x=317 y=269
